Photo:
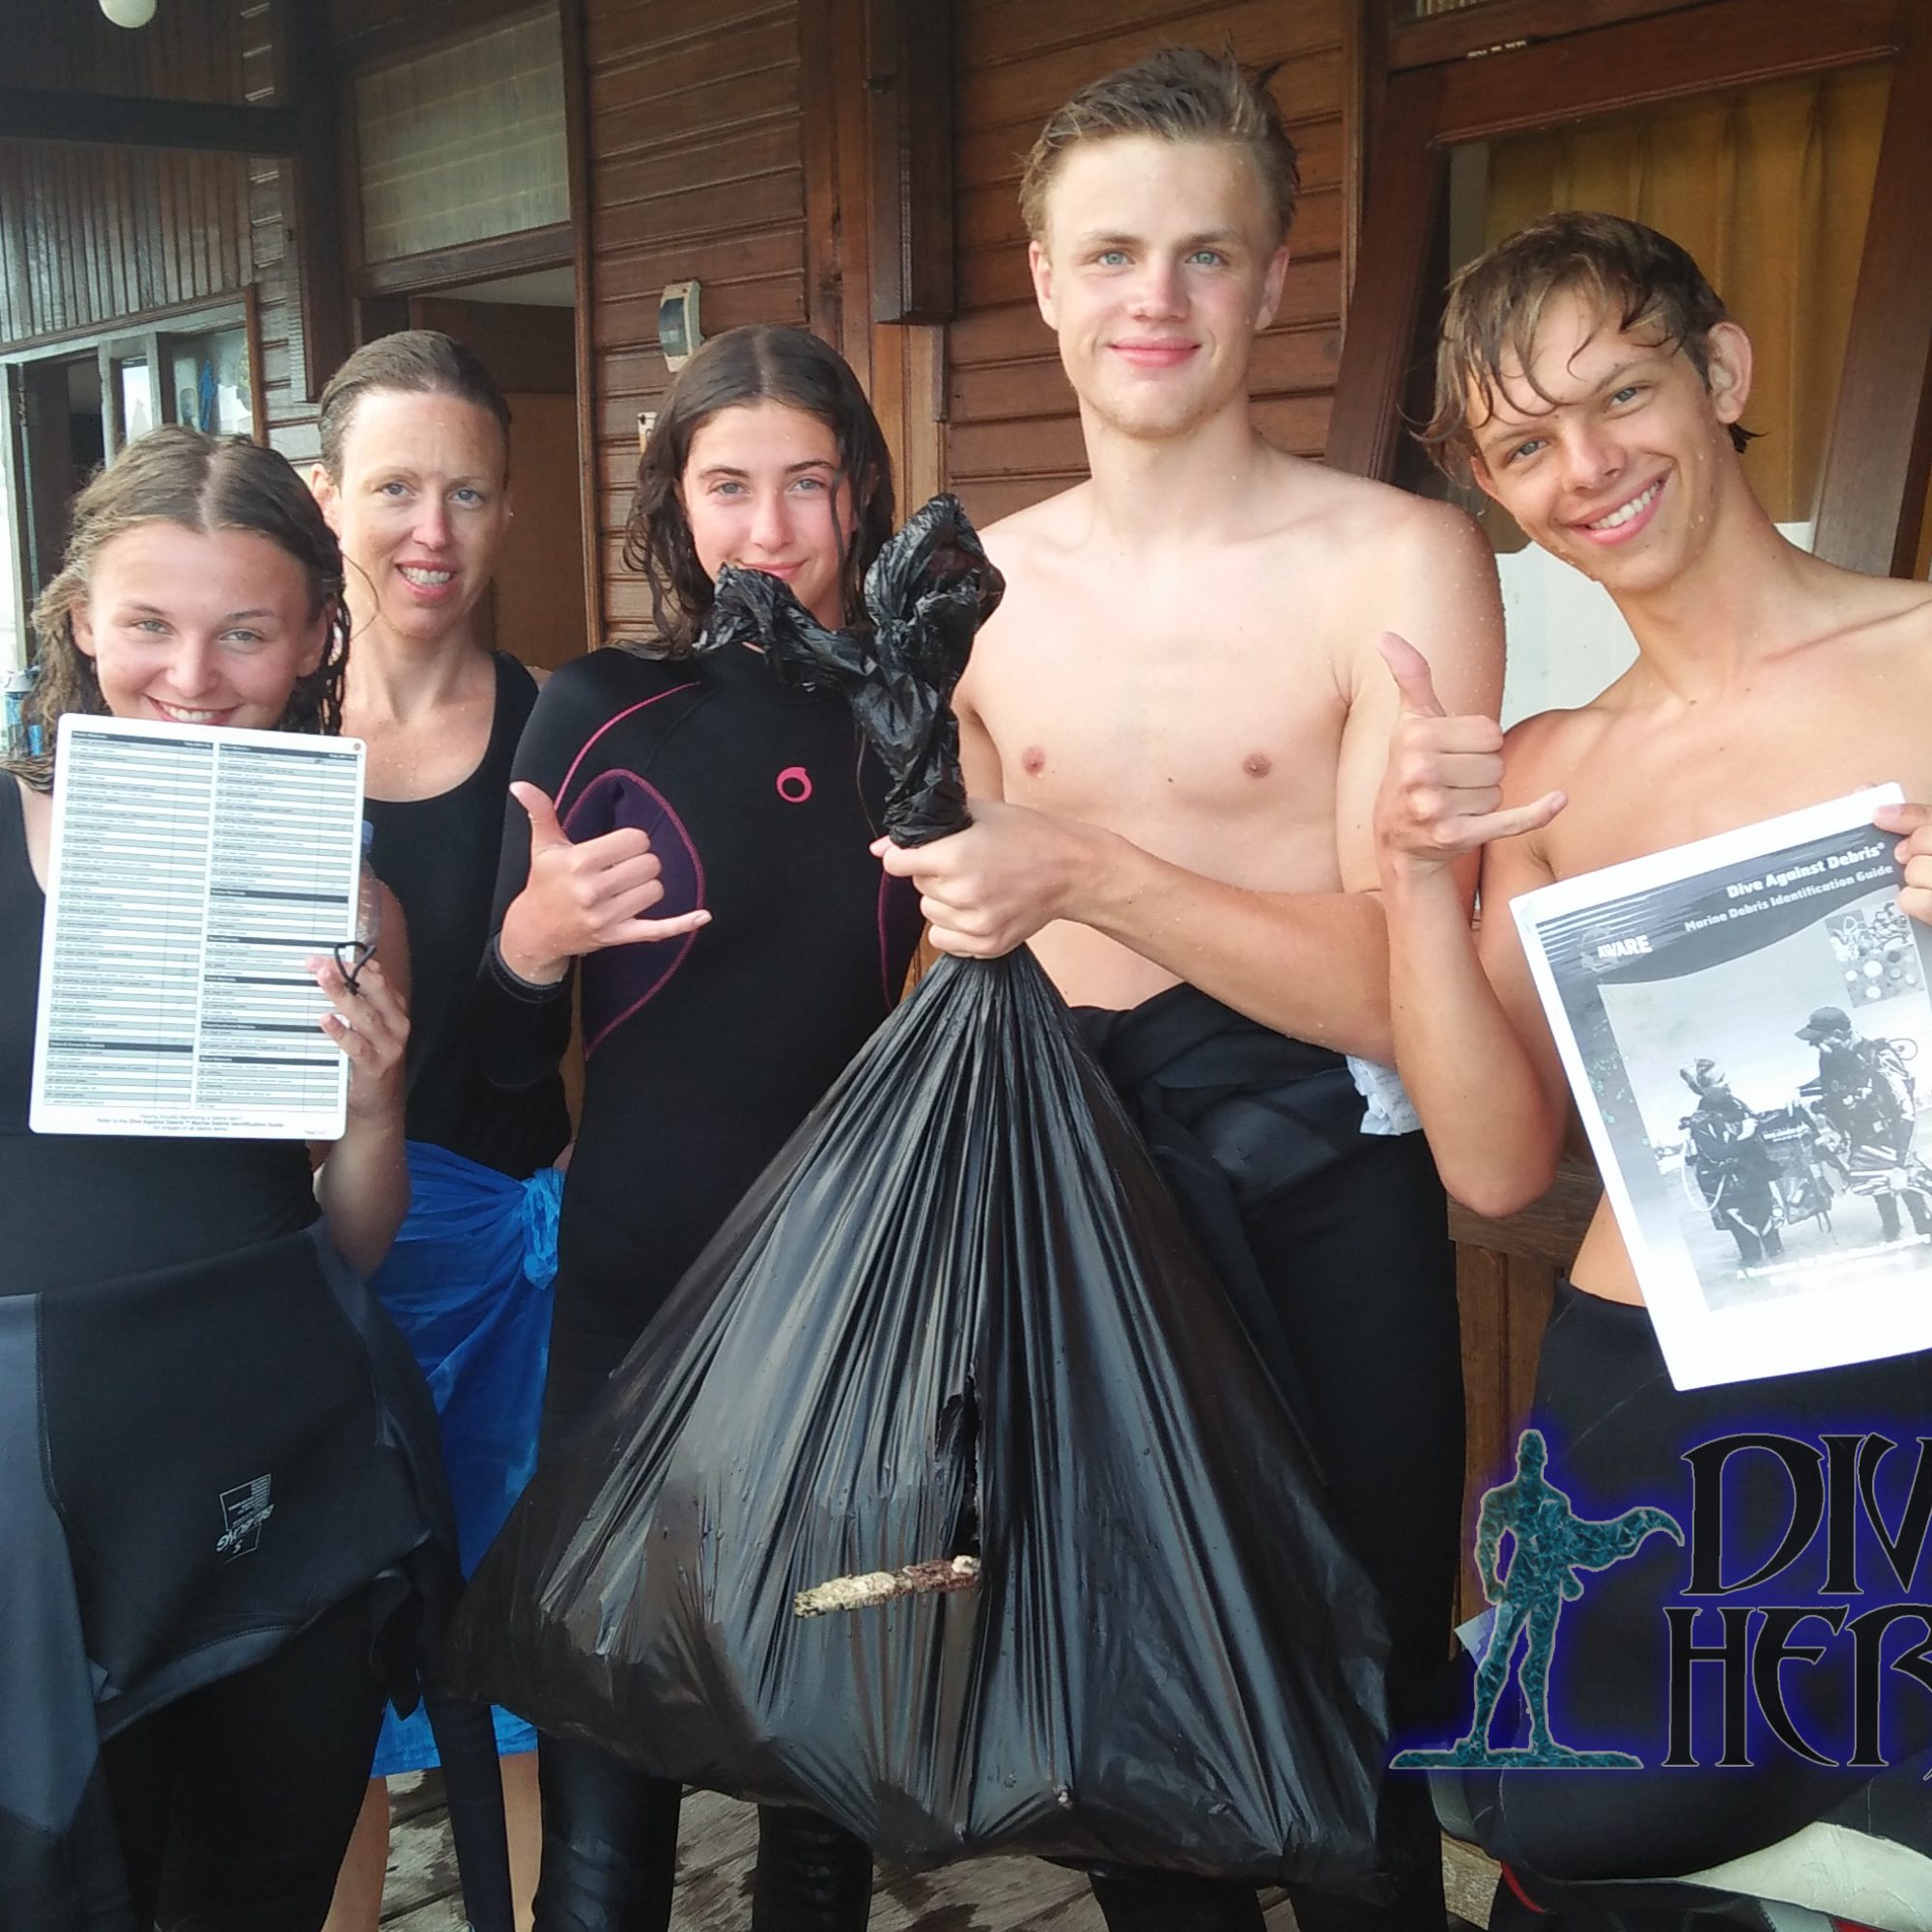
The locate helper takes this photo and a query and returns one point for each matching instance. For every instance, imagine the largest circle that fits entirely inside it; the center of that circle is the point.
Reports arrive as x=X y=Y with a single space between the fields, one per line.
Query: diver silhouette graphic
x=1551 y=1544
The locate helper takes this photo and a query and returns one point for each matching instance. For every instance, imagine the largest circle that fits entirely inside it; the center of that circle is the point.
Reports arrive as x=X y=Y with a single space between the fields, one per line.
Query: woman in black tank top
x=176 y=1314
x=412 y=479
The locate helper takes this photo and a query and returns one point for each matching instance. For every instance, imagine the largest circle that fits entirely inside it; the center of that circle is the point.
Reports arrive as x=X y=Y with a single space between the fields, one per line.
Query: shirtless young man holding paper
x=1589 y=380
x=1173 y=732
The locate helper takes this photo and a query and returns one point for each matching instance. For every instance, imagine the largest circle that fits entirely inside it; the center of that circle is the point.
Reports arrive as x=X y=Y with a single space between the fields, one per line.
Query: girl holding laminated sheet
x=220 y=1481
x=414 y=481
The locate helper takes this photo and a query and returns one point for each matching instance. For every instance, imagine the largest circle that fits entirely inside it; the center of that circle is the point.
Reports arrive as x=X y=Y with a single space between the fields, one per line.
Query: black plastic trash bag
x=958 y=1318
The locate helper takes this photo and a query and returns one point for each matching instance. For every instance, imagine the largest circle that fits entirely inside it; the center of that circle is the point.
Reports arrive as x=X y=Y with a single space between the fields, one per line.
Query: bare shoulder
x=1037 y=549
x=1539 y=753
x=1369 y=521
x=1052 y=524
x=1851 y=619
x=1899 y=610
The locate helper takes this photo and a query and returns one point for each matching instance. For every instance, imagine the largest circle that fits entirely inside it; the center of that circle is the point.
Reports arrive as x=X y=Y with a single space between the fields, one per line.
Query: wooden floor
x=714 y=1877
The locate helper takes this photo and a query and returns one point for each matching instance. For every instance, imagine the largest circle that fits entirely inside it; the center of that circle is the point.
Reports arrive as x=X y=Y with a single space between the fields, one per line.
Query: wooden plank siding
x=95 y=234
x=694 y=124
x=1012 y=435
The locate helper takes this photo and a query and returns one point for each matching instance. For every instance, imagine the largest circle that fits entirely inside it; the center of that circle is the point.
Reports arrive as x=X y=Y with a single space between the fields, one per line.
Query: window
x=73 y=403
x=464 y=144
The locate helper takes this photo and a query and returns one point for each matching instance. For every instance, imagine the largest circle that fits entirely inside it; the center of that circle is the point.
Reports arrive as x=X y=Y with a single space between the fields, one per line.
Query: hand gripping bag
x=958 y=1317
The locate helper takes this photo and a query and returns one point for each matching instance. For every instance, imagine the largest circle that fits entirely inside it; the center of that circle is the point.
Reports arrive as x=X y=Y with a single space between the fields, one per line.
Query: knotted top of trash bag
x=927 y=592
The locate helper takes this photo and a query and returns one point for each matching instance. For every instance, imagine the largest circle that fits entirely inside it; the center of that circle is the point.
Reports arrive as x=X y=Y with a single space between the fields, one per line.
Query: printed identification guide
x=1747 y=1027
x=192 y=873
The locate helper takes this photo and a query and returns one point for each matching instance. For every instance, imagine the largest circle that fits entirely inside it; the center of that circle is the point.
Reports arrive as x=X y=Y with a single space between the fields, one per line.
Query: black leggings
x=610 y=1853
x=1358 y=1265
x=234 y=1805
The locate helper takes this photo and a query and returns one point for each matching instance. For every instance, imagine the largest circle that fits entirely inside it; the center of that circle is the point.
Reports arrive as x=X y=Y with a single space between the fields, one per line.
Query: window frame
x=1877 y=460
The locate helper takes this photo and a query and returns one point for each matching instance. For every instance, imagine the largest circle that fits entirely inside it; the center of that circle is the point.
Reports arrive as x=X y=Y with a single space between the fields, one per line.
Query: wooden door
x=46 y=469
x=536 y=606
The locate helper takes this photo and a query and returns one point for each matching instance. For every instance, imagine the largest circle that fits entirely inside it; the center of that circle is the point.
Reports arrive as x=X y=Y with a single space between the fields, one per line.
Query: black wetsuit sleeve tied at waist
x=309 y=1467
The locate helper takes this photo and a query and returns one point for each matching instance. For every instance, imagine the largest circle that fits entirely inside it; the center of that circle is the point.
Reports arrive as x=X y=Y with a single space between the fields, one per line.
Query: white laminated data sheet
x=1746 y=1029
x=192 y=873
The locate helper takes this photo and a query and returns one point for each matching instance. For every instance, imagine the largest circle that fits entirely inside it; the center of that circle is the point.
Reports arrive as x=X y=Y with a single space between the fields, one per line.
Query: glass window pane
x=137 y=398
x=209 y=381
x=465 y=143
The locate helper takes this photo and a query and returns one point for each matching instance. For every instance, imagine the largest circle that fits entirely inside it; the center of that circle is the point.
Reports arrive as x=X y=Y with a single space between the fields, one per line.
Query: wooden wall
x=1012 y=435
x=90 y=236
x=691 y=110
x=701 y=165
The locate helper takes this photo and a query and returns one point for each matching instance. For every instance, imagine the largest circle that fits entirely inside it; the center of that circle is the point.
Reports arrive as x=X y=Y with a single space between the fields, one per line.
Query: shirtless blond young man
x=1173 y=733
x=1591 y=382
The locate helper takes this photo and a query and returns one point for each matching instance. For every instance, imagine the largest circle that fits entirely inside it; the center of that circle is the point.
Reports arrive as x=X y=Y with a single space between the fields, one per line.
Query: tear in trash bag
x=945 y=1496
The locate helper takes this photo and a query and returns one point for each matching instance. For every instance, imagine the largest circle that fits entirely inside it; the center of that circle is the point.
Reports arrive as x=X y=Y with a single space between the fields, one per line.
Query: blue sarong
x=469 y=1284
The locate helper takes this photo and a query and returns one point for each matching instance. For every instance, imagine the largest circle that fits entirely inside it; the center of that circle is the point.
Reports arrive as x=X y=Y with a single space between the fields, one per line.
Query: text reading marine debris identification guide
x=193 y=870
x=1746 y=1026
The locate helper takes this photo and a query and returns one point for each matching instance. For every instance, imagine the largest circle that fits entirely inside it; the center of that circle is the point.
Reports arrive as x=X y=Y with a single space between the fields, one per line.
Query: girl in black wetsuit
x=173 y=1320
x=414 y=481
x=696 y=836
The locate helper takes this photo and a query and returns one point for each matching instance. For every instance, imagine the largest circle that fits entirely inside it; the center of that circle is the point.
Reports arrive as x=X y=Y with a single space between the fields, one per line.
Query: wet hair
x=412 y=363
x=203 y=484
x=1178 y=94
x=760 y=363
x=1630 y=274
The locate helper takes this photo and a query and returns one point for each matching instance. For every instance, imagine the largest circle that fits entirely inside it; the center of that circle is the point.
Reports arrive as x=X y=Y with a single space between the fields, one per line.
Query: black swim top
x=90 y=1207
x=438 y=856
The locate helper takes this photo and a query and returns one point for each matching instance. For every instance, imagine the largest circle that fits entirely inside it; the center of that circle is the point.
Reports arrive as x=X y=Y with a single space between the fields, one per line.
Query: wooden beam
x=1728 y=43
x=138 y=121
x=820 y=45
x=577 y=139
x=1879 y=459
x=1509 y=24
x=910 y=84
x=306 y=76
x=487 y=260
x=1406 y=186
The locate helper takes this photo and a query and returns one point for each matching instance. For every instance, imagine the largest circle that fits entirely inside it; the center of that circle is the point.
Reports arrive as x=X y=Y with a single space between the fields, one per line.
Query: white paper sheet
x=1720 y=952
x=192 y=871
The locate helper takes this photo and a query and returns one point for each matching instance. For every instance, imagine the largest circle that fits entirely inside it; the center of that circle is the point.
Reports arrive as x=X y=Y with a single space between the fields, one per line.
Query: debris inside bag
x=881 y=1586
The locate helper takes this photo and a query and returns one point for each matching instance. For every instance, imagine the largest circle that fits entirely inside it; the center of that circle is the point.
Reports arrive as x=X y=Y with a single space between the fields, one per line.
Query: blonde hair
x=202 y=483
x=1178 y=94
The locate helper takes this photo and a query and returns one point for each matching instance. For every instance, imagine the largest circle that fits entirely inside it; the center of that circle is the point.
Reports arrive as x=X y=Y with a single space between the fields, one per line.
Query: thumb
x=1411 y=670
x=1904 y=819
x=545 y=831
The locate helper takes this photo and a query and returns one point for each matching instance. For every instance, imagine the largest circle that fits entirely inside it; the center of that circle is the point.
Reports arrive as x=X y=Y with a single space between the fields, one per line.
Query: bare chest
x=1176 y=710
x=1636 y=792
x=425 y=757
